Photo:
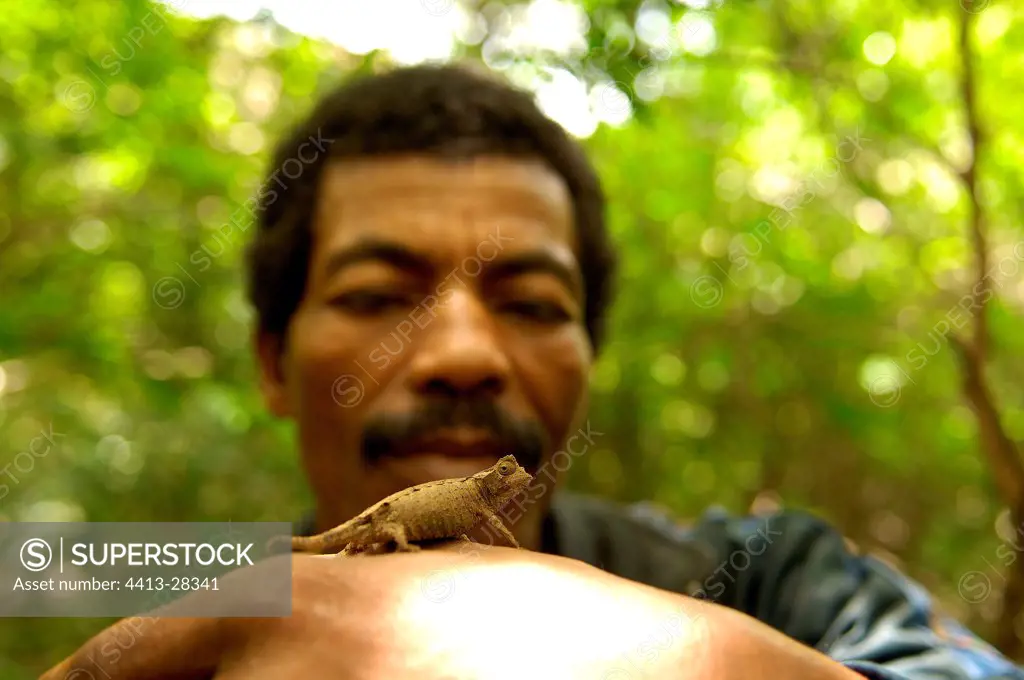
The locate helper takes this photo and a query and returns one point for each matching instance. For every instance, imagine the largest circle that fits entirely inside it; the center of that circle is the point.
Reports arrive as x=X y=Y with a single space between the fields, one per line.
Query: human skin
x=511 y=335
x=488 y=614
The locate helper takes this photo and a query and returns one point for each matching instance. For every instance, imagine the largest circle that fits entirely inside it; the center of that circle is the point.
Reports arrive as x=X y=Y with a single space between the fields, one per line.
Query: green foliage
x=755 y=353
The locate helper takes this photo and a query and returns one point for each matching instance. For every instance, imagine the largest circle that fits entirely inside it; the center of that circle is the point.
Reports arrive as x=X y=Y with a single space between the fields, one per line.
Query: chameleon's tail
x=331 y=540
x=312 y=544
x=315 y=544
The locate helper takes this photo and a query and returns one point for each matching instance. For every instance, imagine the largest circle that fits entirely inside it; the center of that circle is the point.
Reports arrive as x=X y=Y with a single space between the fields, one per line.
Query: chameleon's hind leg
x=351 y=549
x=354 y=550
x=396 y=533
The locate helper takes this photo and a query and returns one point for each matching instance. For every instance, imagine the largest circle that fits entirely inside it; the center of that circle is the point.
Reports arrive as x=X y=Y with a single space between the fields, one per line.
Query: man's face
x=441 y=328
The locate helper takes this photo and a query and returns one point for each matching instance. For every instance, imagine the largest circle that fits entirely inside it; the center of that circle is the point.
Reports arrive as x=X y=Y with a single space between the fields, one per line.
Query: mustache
x=387 y=433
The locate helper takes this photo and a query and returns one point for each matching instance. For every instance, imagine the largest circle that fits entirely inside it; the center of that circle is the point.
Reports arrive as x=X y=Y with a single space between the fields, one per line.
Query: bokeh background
x=806 y=195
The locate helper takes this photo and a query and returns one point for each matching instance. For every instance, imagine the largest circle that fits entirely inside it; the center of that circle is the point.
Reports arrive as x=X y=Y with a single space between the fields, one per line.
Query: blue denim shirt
x=789 y=570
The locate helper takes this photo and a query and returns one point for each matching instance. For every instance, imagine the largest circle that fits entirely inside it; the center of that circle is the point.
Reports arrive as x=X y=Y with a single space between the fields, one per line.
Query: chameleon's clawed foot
x=409 y=547
x=466 y=538
x=493 y=520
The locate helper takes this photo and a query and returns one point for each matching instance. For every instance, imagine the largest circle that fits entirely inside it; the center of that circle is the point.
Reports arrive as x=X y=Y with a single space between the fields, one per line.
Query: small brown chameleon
x=442 y=509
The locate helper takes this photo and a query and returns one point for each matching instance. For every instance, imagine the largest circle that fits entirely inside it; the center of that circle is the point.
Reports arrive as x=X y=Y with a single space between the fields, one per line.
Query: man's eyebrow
x=536 y=261
x=375 y=250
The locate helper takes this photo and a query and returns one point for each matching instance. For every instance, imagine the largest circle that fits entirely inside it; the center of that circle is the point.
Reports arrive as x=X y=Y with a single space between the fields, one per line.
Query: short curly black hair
x=449 y=111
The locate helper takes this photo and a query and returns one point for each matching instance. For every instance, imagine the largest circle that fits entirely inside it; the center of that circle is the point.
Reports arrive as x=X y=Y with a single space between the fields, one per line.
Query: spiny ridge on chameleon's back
x=418 y=489
x=450 y=496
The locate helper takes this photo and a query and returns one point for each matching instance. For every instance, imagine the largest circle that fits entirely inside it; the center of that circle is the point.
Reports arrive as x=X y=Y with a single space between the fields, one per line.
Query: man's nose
x=461 y=355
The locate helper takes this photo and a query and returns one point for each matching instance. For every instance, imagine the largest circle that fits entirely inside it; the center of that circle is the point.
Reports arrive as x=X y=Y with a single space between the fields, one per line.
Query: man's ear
x=270 y=357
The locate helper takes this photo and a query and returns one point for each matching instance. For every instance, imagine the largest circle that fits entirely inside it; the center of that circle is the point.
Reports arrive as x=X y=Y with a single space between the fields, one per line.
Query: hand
x=463 y=611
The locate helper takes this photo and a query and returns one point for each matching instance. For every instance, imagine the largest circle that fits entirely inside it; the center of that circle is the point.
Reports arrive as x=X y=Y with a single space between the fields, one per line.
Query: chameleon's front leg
x=395 y=531
x=496 y=522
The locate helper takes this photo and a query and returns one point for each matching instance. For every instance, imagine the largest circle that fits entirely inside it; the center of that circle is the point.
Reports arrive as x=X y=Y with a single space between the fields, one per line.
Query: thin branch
x=970 y=179
x=1007 y=468
x=1000 y=449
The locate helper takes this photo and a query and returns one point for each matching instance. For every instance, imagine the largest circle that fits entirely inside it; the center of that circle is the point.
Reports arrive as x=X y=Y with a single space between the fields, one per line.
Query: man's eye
x=369 y=302
x=545 y=312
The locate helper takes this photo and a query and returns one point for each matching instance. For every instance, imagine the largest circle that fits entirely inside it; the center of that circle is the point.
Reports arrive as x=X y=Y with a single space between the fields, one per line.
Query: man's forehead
x=418 y=180
x=430 y=201
x=414 y=168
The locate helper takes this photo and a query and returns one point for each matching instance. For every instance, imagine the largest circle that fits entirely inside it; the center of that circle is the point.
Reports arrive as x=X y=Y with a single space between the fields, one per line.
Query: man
x=431 y=275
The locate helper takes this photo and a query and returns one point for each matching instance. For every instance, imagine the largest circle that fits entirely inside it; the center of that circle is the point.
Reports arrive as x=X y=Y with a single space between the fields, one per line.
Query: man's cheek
x=328 y=386
x=332 y=363
x=564 y=393
x=348 y=391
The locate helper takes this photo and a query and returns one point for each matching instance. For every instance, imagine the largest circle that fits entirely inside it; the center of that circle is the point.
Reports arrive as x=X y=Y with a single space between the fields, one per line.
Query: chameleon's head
x=504 y=480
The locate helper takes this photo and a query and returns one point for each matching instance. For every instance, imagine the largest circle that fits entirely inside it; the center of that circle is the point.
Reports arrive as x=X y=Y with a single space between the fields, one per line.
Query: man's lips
x=453 y=443
x=441 y=456
x=399 y=473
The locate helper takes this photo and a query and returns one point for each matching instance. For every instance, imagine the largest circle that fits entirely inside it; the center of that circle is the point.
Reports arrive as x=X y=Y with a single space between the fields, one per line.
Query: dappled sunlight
x=879 y=48
x=565 y=99
x=790 y=189
x=923 y=42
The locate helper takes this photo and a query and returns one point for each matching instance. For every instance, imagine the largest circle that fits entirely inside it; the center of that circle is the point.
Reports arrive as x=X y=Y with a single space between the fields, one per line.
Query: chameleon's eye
x=504 y=469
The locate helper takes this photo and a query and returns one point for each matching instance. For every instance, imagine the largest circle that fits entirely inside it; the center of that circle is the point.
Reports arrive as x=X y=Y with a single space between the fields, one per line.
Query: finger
x=145 y=648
